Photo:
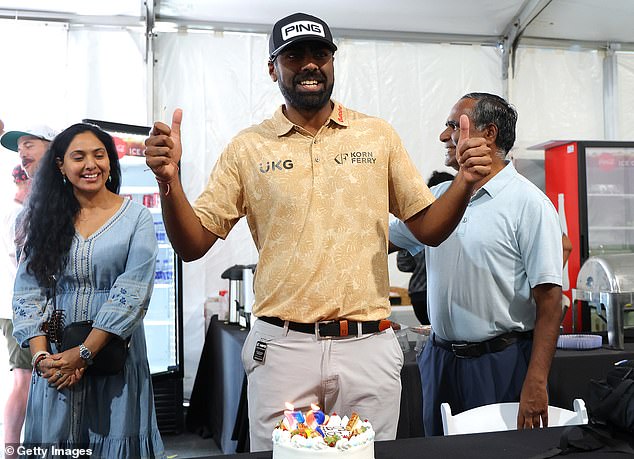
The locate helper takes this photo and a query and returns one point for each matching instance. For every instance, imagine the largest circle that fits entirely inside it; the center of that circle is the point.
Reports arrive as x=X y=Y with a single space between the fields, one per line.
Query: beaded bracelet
x=37 y=358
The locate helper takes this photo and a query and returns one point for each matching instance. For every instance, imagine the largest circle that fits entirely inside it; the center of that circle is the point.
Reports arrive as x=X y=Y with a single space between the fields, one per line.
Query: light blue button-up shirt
x=479 y=279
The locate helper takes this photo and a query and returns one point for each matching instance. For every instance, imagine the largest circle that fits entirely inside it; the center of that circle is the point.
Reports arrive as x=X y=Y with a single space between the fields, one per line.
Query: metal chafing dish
x=607 y=284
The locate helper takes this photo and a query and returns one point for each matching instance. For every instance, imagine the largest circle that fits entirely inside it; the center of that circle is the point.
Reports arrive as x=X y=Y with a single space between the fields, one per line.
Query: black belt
x=331 y=328
x=468 y=350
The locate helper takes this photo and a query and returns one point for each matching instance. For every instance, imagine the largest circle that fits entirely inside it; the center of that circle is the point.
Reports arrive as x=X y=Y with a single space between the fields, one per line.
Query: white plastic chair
x=503 y=416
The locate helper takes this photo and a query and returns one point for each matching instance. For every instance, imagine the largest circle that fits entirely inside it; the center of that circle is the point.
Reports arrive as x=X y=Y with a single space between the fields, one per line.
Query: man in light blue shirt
x=494 y=285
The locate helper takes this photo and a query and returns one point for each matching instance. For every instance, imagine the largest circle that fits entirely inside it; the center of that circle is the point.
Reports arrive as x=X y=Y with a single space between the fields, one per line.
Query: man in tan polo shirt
x=316 y=183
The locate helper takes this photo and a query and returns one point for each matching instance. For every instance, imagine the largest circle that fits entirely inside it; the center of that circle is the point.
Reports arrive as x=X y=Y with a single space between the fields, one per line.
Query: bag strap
x=54 y=326
x=607 y=405
x=51 y=291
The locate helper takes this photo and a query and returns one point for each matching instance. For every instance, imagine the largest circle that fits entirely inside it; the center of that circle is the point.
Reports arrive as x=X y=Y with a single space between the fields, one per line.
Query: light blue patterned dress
x=109 y=279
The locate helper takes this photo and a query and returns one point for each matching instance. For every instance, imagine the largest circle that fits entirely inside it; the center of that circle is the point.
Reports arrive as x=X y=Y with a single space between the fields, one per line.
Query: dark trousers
x=467 y=383
x=419 y=303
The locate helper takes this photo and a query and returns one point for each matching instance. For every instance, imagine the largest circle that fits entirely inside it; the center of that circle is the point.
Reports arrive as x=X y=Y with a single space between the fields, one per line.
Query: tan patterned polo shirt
x=317 y=207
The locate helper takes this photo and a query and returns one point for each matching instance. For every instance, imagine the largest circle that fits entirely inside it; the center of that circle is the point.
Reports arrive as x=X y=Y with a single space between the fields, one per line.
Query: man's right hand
x=473 y=154
x=163 y=149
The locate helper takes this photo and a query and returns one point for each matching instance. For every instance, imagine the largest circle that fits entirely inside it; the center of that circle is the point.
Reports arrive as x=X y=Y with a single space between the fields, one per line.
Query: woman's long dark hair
x=53 y=207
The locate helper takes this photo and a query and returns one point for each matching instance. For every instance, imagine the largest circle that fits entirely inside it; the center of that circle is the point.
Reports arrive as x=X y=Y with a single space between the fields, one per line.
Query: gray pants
x=359 y=374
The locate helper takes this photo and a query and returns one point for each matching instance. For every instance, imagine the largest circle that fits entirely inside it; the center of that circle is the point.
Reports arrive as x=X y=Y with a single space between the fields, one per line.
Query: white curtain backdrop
x=558 y=95
x=57 y=75
x=625 y=96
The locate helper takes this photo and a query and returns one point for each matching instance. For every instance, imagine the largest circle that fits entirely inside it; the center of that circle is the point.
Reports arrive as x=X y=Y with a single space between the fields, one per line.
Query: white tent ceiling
x=590 y=21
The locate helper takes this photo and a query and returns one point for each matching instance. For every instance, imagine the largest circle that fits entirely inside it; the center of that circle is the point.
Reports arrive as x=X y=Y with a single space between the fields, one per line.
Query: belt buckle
x=459 y=347
x=318 y=324
x=343 y=328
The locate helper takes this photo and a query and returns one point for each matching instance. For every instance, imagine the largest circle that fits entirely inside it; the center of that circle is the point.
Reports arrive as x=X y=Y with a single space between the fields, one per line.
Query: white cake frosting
x=359 y=446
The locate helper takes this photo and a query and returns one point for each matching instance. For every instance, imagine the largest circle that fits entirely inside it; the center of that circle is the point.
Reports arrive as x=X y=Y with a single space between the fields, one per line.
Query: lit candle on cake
x=319 y=415
x=292 y=417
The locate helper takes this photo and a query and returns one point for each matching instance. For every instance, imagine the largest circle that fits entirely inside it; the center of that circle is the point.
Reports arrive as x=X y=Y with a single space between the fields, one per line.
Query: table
x=512 y=444
x=218 y=386
x=218 y=401
x=571 y=371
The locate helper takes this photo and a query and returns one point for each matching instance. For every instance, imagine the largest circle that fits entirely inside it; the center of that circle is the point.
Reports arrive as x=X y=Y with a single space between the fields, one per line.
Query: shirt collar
x=283 y=125
x=499 y=180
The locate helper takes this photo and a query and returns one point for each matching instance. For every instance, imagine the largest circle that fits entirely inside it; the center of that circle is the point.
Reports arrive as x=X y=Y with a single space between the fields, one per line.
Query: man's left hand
x=533 y=406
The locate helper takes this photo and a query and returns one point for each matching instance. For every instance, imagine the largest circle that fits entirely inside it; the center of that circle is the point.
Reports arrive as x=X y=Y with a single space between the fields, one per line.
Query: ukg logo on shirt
x=280 y=165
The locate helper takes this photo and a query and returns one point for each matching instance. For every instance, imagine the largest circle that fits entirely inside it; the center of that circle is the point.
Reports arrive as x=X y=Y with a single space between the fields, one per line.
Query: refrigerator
x=591 y=183
x=163 y=322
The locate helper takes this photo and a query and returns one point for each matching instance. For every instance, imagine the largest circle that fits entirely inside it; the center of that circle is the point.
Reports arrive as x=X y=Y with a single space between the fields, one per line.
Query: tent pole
x=149 y=58
x=610 y=93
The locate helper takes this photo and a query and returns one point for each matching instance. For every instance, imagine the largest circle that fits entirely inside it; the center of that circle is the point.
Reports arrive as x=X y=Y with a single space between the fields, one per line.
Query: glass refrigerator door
x=160 y=321
x=610 y=196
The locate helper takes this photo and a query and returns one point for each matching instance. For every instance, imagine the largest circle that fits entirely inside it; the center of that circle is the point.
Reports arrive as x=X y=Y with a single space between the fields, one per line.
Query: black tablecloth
x=572 y=370
x=217 y=390
x=499 y=445
x=218 y=401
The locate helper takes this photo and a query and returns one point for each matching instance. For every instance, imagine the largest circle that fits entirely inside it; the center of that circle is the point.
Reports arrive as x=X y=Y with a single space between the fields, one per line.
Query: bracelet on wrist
x=37 y=358
x=166 y=182
x=163 y=182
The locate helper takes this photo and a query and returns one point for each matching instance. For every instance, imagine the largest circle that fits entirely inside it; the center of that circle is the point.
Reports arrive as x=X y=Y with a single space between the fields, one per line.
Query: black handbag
x=111 y=358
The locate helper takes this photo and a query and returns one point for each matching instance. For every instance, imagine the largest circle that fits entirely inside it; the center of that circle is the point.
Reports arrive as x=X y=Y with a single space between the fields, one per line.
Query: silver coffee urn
x=606 y=283
x=247 y=297
x=234 y=275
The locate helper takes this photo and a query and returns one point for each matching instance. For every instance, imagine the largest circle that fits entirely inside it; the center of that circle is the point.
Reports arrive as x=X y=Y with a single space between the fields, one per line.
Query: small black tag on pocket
x=260 y=351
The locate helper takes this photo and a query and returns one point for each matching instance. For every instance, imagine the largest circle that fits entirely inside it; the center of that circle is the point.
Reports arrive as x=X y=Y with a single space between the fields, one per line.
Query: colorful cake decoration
x=317 y=430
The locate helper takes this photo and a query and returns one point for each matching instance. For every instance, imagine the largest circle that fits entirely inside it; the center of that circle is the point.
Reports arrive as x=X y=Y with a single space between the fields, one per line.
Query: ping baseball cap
x=10 y=138
x=298 y=27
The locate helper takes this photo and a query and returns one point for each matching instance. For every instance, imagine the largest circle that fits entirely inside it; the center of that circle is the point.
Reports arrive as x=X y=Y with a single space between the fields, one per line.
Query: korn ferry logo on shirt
x=356 y=157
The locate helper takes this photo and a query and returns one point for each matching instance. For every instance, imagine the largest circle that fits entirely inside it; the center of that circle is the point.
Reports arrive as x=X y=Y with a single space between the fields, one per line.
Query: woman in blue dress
x=100 y=249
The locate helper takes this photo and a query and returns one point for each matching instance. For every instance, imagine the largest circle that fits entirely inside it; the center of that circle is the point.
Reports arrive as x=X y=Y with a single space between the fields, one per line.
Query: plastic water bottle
x=159 y=229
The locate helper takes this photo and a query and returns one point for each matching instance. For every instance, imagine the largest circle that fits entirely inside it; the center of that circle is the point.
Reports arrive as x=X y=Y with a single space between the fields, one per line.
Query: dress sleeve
x=29 y=306
x=130 y=294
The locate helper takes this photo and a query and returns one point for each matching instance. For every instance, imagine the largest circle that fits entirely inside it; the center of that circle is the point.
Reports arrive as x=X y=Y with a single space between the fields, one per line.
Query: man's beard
x=306 y=101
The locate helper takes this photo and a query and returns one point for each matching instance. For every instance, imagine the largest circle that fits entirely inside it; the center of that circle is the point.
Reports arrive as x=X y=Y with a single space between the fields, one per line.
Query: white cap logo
x=302 y=28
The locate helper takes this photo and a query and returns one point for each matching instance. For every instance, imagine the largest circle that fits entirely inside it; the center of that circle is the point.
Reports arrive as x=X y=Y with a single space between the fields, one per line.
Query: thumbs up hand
x=473 y=154
x=164 y=149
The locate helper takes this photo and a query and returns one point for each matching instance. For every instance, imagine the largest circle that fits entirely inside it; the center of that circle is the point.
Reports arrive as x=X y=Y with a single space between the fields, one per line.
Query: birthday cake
x=316 y=435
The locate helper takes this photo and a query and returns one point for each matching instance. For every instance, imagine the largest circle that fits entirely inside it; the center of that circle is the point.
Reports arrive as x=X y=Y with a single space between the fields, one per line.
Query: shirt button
x=315 y=141
x=464 y=220
x=316 y=160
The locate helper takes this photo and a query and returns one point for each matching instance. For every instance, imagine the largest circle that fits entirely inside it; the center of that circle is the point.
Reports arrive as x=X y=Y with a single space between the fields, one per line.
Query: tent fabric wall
x=558 y=95
x=625 y=78
x=230 y=89
x=58 y=74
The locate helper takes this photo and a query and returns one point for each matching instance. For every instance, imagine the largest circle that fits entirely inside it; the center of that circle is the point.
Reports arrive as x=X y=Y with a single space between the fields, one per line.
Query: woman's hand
x=63 y=370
